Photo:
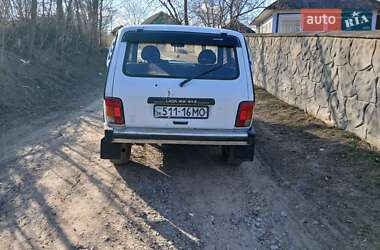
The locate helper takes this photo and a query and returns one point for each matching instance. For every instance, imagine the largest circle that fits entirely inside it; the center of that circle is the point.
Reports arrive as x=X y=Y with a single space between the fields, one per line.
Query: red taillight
x=114 y=110
x=245 y=114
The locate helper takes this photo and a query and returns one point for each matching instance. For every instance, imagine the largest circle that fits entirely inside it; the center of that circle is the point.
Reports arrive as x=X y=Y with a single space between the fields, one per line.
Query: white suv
x=170 y=84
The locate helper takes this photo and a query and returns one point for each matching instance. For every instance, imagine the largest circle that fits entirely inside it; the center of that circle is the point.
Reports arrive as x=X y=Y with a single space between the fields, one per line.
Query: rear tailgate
x=224 y=97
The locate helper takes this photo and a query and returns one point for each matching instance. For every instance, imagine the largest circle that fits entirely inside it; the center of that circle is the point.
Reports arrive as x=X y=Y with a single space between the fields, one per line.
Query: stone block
x=338 y=111
x=340 y=51
x=365 y=85
x=373 y=124
x=312 y=107
x=355 y=112
x=324 y=114
x=316 y=70
x=284 y=45
x=376 y=59
x=309 y=48
x=361 y=53
x=327 y=77
x=303 y=67
x=309 y=91
x=292 y=67
x=346 y=78
x=297 y=85
x=296 y=48
x=324 y=45
x=335 y=78
x=321 y=95
x=378 y=91
x=292 y=97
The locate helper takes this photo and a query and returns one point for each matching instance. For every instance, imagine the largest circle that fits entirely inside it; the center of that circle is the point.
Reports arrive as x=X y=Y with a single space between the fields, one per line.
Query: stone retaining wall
x=333 y=77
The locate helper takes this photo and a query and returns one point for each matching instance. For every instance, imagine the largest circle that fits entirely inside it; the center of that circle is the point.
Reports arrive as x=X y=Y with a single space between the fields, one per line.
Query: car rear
x=179 y=87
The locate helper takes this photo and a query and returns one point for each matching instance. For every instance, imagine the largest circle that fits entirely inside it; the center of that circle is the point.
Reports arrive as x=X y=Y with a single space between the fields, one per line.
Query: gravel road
x=55 y=193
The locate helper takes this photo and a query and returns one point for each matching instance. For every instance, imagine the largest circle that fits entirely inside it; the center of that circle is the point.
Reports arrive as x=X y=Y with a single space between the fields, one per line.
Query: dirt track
x=300 y=193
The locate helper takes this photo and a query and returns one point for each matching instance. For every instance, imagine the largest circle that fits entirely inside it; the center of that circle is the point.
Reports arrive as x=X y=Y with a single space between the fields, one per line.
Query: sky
x=125 y=8
x=123 y=17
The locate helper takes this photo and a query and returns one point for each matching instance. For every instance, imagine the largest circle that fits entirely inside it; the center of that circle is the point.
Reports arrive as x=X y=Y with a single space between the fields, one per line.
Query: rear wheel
x=125 y=155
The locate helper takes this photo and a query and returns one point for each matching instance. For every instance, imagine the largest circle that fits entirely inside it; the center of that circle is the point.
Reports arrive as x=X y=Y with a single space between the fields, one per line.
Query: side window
x=110 y=51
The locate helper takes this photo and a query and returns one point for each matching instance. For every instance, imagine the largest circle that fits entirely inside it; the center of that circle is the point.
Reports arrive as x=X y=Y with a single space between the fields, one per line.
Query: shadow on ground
x=202 y=202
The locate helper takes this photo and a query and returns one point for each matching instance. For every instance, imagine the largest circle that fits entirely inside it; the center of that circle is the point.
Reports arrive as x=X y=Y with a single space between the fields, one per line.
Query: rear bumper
x=240 y=141
x=177 y=136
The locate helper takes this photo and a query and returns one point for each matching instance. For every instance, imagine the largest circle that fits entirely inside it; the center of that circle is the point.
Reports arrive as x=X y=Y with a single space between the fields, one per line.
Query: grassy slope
x=31 y=89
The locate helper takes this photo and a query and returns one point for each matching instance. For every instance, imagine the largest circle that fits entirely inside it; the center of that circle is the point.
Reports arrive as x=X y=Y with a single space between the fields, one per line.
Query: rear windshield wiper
x=200 y=75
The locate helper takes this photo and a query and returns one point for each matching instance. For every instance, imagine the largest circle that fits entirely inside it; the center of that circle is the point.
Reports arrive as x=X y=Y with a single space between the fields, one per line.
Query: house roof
x=316 y=4
x=160 y=18
x=238 y=26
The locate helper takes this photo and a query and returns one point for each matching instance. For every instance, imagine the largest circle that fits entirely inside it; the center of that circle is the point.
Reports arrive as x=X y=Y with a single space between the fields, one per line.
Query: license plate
x=180 y=112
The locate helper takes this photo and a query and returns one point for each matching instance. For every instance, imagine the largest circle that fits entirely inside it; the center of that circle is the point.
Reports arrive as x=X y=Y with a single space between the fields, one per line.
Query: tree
x=185 y=12
x=33 y=26
x=59 y=26
x=134 y=11
x=100 y=21
x=218 y=13
x=2 y=42
x=4 y=17
x=239 y=8
x=211 y=13
x=94 y=24
x=177 y=9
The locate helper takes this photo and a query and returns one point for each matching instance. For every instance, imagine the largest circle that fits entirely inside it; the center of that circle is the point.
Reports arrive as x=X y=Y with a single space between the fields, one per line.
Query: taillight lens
x=114 y=110
x=245 y=114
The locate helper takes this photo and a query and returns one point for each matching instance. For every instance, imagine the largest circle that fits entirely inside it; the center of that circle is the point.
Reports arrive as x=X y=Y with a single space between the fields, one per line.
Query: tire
x=228 y=156
x=125 y=155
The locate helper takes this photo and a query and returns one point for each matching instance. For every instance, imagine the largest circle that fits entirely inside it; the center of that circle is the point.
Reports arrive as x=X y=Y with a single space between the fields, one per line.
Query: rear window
x=180 y=60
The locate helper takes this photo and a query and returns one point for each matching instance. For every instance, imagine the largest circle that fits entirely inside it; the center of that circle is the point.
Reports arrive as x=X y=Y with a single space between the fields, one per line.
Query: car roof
x=183 y=28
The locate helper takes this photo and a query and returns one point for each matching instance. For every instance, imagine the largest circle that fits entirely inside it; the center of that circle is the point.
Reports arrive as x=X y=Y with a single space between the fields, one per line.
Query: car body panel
x=135 y=91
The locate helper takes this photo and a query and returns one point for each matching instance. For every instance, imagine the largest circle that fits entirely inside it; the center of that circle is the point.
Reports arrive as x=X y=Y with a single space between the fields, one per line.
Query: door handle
x=180 y=122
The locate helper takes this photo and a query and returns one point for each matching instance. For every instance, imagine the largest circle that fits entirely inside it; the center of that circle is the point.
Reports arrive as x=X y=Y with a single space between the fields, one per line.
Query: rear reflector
x=245 y=114
x=114 y=110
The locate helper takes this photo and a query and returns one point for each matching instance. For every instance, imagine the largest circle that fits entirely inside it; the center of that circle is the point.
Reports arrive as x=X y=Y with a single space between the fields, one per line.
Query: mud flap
x=244 y=153
x=109 y=150
x=235 y=155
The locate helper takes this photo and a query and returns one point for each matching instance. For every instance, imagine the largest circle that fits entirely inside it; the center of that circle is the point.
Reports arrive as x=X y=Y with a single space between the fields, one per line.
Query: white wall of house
x=287 y=21
x=267 y=26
